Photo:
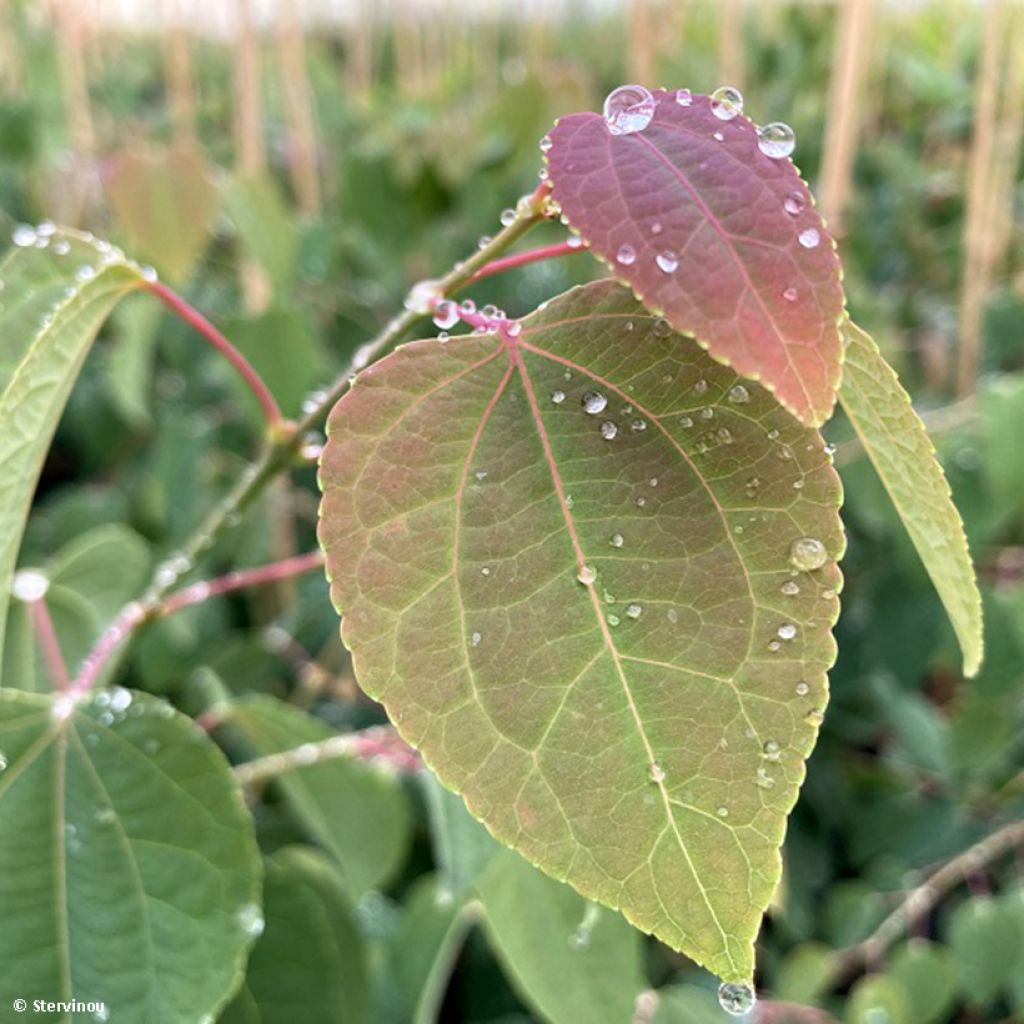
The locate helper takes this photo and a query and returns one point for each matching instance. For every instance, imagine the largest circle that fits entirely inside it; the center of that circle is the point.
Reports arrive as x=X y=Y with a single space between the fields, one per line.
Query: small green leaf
x=590 y=573
x=927 y=972
x=803 y=975
x=687 y=1004
x=265 y=228
x=55 y=297
x=986 y=936
x=569 y=959
x=877 y=997
x=356 y=810
x=896 y=442
x=309 y=964
x=123 y=841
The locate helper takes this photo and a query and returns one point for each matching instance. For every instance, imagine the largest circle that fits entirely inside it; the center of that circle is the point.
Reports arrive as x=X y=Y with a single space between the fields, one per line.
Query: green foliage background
x=384 y=903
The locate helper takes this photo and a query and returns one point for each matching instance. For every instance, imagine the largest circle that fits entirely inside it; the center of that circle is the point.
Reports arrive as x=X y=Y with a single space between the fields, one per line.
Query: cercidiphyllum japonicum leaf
x=641 y=736
x=897 y=443
x=129 y=872
x=58 y=288
x=721 y=238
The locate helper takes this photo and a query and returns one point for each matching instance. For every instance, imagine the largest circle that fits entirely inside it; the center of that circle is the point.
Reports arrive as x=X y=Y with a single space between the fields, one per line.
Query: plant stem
x=42 y=623
x=379 y=743
x=283 y=444
x=520 y=259
x=923 y=899
x=133 y=615
x=245 y=369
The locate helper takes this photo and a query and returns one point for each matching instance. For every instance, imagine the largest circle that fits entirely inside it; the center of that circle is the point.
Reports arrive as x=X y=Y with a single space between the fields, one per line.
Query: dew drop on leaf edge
x=776 y=140
x=807 y=553
x=628 y=109
x=736 y=998
x=726 y=102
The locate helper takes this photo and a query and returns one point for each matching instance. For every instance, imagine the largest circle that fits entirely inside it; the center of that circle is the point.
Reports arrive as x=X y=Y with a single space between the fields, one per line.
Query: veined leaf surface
x=601 y=641
x=129 y=873
x=723 y=239
x=897 y=444
x=58 y=288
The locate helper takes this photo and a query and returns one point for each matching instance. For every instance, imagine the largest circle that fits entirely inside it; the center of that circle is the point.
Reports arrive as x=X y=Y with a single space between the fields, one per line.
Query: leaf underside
x=614 y=734
x=50 y=313
x=745 y=286
x=128 y=863
x=897 y=443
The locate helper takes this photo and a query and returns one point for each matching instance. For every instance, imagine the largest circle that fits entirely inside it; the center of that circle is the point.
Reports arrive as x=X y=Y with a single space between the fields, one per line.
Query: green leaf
x=687 y=1004
x=266 y=231
x=641 y=736
x=986 y=936
x=357 y=811
x=163 y=201
x=123 y=841
x=55 y=298
x=896 y=442
x=927 y=972
x=308 y=965
x=803 y=975
x=569 y=959
x=877 y=997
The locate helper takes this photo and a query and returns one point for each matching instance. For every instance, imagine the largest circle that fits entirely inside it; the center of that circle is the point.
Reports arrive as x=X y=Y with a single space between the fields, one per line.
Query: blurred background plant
x=292 y=166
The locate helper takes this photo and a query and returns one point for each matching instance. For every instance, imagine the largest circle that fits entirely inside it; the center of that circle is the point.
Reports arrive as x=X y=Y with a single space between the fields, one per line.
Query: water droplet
x=24 y=235
x=814 y=717
x=684 y=97
x=612 y=619
x=774 y=645
x=579 y=938
x=29 y=585
x=446 y=314
x=475 y=639
x=802 y=689
x=809 y=238
x=662 y=328
x=558 y=397
x=739 y=395
x=424 y=296
x=718 y=137
x=776 y=140
x=593 y=402
x=545 y=143
x=508 y=215
x=763 y=779
x=790 y=294
x=735 y=997
x=617 y=540
x=480 y=474
x=250 y=920
x=790 y=588
x=723 y=812
x=794 y=203
x=609 y=430
x=628 y=109
x=640 y=501
x=485 y=571
x=667 y=261
x=771 y=750
x=807 y=553
x=707 y=413
x=787 y=631
x=568 y=503
x=626 y=255
x=586 y=575
x=656 y=228
x=634 y=611
x=657 y=773
x=726 y=102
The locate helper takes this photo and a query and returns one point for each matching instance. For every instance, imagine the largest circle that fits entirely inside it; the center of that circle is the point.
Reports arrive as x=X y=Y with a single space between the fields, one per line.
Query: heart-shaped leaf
x=58 y=288
x=129 y=874
x=590 y=574
x=897 y=444
x=721 y=238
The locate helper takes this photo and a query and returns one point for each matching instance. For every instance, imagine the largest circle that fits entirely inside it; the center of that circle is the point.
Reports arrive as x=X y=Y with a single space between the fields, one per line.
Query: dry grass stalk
x=178 y=73
x=851 y=57
x=298 y=107
x=730 y=42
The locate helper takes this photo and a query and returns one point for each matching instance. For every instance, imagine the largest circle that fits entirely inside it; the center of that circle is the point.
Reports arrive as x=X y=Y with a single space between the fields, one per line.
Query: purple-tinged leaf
x=708 y=230
x=590 y=574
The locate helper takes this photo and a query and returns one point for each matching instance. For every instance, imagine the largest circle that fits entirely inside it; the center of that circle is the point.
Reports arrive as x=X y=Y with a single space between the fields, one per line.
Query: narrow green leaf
x=897 y=444
x=357 y=811
x=55 y=297
x=609 y=631
x=129 y=873
x=309 y=964
x=569 y=959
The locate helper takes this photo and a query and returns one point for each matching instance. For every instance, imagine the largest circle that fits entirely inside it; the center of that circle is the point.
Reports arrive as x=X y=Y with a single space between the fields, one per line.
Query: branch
x=520 y=259
x=379 y=743
x=921 y=900
x=283 y=446
x=133 y=615
x=245 y=369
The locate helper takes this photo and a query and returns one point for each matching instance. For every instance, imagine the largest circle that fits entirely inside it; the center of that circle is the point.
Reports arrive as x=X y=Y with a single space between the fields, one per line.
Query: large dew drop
x=807 y=553
x=776 y=140
x=736 y=998
x=594 y=402
x=726 y=102
x=628 y=109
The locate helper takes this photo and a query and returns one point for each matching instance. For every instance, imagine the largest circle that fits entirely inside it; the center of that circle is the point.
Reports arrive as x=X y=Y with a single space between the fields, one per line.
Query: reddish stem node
x=245 y=369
